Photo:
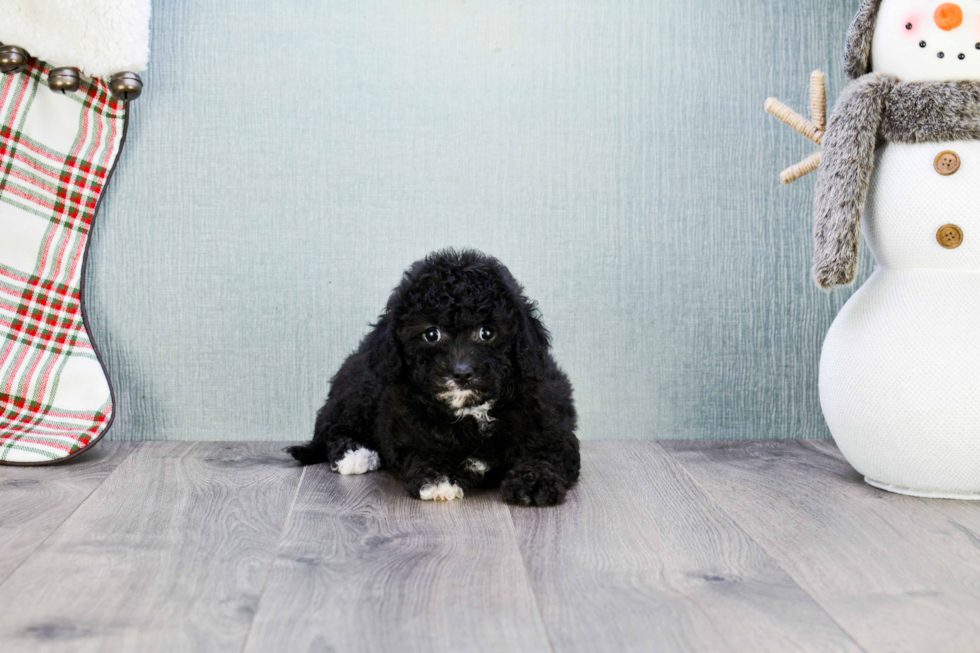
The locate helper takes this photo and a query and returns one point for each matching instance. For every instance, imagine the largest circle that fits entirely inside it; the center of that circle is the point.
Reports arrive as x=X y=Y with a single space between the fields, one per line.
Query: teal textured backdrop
x=289 y=159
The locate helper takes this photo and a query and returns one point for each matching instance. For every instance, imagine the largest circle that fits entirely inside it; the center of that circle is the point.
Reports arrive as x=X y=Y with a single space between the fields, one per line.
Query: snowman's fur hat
x=857 y=50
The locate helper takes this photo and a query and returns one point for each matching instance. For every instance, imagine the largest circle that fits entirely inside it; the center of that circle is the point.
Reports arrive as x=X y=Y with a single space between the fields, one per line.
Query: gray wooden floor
x=672 y=546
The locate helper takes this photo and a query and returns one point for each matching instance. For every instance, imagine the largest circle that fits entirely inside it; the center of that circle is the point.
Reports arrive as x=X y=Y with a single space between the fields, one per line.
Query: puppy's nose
x=948 y=16
x=462 y=373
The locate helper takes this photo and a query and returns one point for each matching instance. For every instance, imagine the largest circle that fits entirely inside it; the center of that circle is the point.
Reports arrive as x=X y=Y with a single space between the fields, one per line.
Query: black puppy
x=455 y=387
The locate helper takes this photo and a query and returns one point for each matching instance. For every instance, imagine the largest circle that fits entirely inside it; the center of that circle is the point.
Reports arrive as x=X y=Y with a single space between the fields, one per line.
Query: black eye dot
x=962 y=56
x=941 y=55
x=978 y=46
x=922 y=44
x=908 y=26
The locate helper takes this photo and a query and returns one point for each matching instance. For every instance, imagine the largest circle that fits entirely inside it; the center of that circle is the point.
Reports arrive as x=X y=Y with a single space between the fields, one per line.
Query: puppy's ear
x=533 y=340
x=385 y=357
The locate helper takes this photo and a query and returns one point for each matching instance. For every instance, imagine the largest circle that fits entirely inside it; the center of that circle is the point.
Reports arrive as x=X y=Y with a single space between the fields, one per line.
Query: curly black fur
x=393 y=395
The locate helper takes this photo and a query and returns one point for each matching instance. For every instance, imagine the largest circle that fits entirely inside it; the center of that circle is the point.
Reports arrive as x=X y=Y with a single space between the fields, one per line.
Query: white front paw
x=441 y=490
x=358 y=462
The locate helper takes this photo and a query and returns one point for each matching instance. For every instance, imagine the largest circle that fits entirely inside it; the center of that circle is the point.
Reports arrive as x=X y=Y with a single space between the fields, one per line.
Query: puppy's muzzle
x=457 y=397
x=462 y=374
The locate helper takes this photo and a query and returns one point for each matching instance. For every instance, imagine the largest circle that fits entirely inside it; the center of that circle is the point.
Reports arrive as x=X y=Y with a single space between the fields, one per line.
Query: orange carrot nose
x=949 y=16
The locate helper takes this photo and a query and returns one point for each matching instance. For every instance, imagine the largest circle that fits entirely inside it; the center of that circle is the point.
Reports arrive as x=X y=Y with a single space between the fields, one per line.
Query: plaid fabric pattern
x=56 y=154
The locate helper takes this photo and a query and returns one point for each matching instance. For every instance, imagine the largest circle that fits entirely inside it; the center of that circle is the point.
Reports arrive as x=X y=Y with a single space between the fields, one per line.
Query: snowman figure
x=900 y=369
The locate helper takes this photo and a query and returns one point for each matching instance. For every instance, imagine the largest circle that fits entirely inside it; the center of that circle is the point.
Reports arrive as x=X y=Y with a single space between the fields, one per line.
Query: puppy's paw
x=360 y=461
x=533 y=485
x=440 y=490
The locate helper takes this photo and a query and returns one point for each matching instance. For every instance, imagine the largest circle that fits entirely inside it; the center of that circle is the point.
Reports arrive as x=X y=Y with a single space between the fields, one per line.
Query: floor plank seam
x=748 y=535
x=81 y=503
x=275 y=556
x=527 y=577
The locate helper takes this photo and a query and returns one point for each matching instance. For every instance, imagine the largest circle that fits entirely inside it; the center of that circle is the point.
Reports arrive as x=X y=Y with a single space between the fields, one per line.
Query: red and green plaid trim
x=56 y=154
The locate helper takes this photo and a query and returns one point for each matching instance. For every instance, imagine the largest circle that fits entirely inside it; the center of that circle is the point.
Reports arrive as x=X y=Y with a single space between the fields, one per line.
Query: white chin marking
x=475 y=466
x=357 y=462
x=441 y=490
x=480 y=413
x=456 y=397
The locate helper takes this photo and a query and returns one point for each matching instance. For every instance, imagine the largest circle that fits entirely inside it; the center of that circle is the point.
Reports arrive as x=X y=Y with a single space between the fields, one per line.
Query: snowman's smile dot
x=908 y=26
x=962 y=56
x=941 y=55
x=922 y=44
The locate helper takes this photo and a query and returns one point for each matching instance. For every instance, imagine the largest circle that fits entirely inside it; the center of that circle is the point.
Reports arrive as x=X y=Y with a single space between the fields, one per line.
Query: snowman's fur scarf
x=857 y=50
x=930 y=112
x=877 y=108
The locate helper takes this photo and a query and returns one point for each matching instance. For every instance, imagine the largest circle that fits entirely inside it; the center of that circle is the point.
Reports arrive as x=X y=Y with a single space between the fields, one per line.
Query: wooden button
x=947 y=163
x=950 y=236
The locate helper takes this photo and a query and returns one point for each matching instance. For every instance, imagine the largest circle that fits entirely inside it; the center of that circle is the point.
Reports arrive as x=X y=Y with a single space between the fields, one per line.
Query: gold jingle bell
x=12 y=58
x=64 y=80
x=125 y=86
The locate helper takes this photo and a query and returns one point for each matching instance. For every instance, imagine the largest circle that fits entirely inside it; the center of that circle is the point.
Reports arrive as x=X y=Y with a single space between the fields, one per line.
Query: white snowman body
x=900 y=369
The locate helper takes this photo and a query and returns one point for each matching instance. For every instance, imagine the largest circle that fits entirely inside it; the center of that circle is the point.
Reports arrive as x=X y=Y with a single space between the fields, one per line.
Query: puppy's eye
x=487 y=333
x=431 y=335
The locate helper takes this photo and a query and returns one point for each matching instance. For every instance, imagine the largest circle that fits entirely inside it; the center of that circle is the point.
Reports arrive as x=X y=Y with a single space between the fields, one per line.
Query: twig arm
x=813 y=129
x=818 y=99
x=801 y=169
x=794 y=120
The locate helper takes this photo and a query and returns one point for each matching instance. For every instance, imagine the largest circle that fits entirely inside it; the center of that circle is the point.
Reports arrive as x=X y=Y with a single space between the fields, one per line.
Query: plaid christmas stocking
x=57 y=153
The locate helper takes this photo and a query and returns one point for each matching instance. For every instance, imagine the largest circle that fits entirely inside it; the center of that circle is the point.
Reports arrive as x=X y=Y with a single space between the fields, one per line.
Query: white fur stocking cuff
x=99 y=37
